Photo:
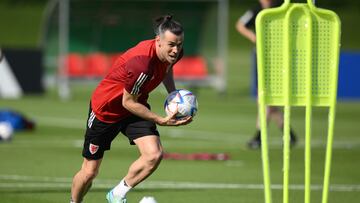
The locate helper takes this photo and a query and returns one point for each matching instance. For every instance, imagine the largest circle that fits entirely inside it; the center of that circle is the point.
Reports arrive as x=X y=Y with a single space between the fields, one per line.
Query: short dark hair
x=165 y=23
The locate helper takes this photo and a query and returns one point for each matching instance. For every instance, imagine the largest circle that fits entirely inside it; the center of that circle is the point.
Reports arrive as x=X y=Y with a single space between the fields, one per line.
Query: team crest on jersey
x=93 y=148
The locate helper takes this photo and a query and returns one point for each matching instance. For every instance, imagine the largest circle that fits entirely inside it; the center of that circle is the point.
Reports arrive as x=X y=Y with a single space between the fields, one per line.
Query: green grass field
x=37 y=167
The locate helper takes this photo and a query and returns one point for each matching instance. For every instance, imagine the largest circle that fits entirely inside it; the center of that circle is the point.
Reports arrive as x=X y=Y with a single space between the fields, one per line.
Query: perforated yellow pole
x=287 y=96
x=288 y=79
x=263 y=126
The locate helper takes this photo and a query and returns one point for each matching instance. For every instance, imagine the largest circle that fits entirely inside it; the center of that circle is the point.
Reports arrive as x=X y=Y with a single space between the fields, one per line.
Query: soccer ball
x=182 y=100
x=148 y=200
x=6 y=131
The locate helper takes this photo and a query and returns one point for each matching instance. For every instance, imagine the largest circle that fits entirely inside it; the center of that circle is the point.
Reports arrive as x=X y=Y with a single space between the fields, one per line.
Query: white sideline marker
x=65 y=183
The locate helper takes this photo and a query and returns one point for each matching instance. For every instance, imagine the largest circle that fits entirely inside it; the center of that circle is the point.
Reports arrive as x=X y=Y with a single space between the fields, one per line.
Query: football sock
x=121 y=189
x=257 y=135
x=292 y=134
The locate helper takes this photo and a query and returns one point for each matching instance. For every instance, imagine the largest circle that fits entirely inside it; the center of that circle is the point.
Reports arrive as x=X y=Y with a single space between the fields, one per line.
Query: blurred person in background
x=246 y=27
x=119 y=104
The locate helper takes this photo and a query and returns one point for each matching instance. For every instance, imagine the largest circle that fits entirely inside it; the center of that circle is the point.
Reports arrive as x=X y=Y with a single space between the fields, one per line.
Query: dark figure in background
x=246 y=27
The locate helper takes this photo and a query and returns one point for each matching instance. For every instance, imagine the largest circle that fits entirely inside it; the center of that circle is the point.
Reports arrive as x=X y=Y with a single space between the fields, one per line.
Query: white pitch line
x=35 y=178
x=72 y=123
x=62 y=183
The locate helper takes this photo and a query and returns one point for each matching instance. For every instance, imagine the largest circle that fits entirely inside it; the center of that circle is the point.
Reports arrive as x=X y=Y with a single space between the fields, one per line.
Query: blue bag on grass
x=16 y=120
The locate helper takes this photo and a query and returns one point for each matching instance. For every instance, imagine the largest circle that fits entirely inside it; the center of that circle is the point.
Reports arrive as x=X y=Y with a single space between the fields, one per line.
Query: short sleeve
x=247 y=18
x=137 y=74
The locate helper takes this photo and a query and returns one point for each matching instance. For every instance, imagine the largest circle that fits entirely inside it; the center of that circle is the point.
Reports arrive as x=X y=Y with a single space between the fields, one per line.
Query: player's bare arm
x=246 y=32
x=131 y=104
x=169 y=80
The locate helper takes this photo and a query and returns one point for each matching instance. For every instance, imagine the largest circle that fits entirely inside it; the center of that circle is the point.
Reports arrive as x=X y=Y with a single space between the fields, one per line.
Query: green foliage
x=20 y=24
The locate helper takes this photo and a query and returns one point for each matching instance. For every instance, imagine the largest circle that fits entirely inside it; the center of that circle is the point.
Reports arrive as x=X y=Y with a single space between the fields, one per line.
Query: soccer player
x=246 y=27
x=119 y=104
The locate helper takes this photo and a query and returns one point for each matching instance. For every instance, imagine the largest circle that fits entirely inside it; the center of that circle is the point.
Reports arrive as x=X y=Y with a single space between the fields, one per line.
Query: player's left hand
x=184 y=121
x=171 y=120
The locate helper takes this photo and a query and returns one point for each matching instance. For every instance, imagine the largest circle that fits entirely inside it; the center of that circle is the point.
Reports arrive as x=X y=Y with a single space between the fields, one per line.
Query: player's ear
x=157 y=39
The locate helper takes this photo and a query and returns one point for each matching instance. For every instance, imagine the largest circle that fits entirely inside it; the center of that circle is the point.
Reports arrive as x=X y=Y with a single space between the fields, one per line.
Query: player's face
x=266 y=3
x=169 y=46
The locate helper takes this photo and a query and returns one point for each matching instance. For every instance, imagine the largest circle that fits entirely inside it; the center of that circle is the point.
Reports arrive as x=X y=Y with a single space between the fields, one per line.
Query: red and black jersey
x=139 y=71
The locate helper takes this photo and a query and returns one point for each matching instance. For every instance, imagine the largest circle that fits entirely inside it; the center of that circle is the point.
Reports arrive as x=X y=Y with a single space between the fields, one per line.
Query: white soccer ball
x=183 y=101
x=148 y=200
x=6 y=131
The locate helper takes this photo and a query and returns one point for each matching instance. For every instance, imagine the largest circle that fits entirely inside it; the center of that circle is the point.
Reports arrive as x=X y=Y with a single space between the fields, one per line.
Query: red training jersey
x=139 y=71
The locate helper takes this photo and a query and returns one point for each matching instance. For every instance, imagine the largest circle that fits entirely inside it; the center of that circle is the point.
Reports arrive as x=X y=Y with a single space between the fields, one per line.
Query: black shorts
x=99 y=135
